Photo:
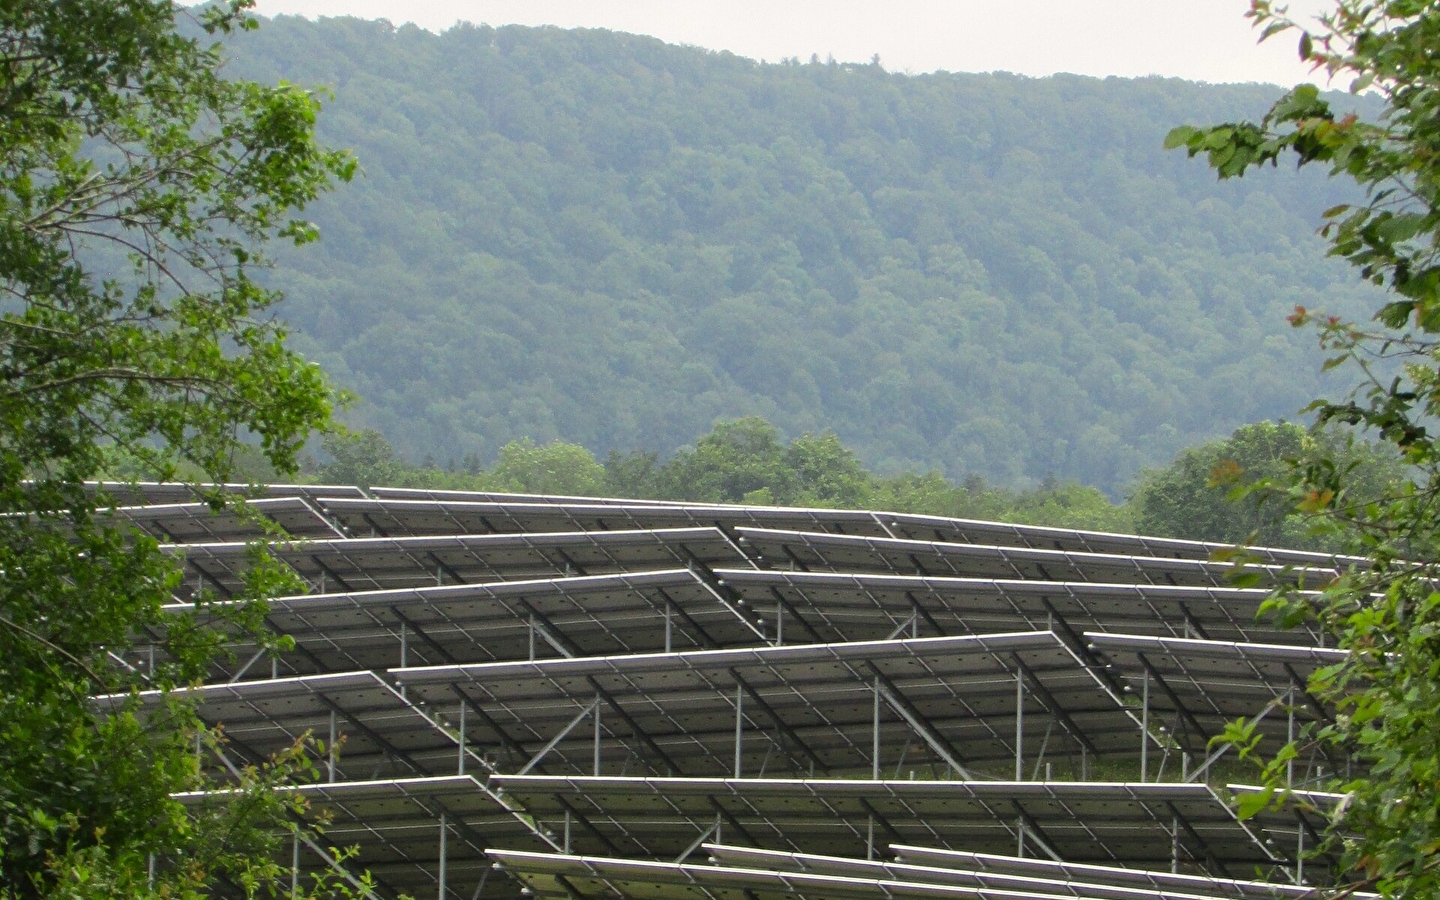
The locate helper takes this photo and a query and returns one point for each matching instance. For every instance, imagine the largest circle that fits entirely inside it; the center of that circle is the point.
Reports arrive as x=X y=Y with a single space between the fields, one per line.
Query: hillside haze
x=600 y=238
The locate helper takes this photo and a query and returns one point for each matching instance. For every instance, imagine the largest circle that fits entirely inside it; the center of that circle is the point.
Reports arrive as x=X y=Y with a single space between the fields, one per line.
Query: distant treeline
x=746 y=461
x=600 y=238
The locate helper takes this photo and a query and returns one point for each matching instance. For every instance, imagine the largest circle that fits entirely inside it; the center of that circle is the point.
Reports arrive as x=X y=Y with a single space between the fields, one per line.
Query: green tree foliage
x=1386 y=612
x=136 y=186
x=738 y=461
x=1208 y=492
x=597 y=238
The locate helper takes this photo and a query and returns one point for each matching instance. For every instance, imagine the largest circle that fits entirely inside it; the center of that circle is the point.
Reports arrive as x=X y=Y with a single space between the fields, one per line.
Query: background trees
x=596 y=238
x=136 y=187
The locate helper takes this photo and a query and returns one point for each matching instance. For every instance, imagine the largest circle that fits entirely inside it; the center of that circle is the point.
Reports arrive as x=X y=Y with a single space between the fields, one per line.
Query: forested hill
x=600 y=238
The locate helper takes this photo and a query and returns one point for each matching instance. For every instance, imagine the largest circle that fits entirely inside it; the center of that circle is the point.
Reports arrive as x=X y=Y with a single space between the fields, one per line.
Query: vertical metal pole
x=330 y=747
x=274 y=667
x=669 y=632
x=532 y=638
x=1299 y=851
x=915 y=623
x=1174 y=844
x=460 y=761
x=567 y=830
x=1290 y=735
x=295 y=864
x=739 y=724
x=875 y=736
x=1019 y=727
x=779 y=624
x=152 y=660
x=1084 y=763
x=870 y=839
x=597 y=734
x=1020 y=837
x=441 y=893
x=404 y=645
x=150 y=872
x=1145 y=728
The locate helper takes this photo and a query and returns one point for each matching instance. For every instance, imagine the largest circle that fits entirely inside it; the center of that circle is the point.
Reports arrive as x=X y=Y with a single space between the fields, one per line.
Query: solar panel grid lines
x=621 y=682
x=1190 y=888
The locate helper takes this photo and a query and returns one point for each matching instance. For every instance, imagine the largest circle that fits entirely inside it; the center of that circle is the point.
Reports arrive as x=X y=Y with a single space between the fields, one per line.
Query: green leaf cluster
x=1385 y=612
x=137 y=186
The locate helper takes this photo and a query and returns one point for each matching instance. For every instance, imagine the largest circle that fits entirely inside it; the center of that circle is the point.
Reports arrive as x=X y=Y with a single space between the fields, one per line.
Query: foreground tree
x=136 y=187
x=1387 y=612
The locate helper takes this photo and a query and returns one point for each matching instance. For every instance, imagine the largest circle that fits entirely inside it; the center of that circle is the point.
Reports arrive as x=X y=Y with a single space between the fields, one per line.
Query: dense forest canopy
x=599 y=238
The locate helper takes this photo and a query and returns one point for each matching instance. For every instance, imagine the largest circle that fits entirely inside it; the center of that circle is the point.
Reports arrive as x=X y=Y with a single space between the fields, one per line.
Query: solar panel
x=380 y=732
x=810 y=551
x=1117 y=824
x=639 y=679
x=805 y=708
x=1197 y=687
x=395 y=825
x=1103 y=883
x=405 y=508
x=378 y=564
x=597 y=615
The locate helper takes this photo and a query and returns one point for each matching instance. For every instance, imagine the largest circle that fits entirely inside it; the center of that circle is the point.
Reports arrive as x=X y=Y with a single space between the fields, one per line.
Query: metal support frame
x=243 y=669
x=1020 y=728
x=704 y=836
x=739 y=728
x=564 y=732
x=1204 y=767
x=1145 y=728
x=440 y=879
x=596 y=706
x=937 y=743
x=781 y=725
x=875 y=738
x=460 y=750
x=330 y=750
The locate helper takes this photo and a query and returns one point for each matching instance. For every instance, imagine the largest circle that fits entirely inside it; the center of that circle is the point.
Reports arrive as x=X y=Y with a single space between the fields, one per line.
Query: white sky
x=1203 y=40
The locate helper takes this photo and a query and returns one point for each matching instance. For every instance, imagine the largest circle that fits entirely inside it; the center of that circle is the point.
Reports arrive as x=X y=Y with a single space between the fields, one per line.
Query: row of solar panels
x=171 y=512
x=612 y=685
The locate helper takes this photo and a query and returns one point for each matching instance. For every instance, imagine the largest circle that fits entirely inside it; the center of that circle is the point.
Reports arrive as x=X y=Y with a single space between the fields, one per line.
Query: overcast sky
x=1205 y=40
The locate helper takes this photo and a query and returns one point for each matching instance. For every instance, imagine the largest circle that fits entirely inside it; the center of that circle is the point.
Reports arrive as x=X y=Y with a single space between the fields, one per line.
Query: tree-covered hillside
x=603 y=239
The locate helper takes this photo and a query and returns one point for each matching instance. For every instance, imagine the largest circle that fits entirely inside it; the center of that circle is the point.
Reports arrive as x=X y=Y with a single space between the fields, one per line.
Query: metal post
x=295 y=864
x=567 y=830
x=404 y=645
x=1174 y=844
x=1290 y=735
x=330 y=748
x=441 y=893
x=1299 y=851
x=532 y=638
x=1019 y=727
x=1020 y=837
x=1145 y=728
x=597 y=735
x=779 y=624
x=669 y=631
x=1084 y=763
x=870 y=839
x=739 y=724
x=460 y=761
x=274 y=667
x=875 y=737
x=150 y=871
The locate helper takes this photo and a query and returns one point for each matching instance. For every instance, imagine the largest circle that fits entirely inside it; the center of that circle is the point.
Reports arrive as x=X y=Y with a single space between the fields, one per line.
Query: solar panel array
x=580 y=698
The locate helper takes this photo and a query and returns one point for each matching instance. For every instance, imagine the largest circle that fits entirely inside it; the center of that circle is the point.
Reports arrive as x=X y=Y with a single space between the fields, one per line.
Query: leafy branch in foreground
x=1387 y=613
x=136 y=188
